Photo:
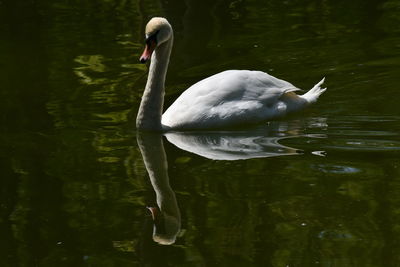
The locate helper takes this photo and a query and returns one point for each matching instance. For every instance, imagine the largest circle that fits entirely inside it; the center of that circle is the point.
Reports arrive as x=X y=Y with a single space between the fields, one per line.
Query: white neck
x=151 y=106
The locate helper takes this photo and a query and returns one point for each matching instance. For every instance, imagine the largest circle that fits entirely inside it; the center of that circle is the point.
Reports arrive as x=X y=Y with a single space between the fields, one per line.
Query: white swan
x=226 y=99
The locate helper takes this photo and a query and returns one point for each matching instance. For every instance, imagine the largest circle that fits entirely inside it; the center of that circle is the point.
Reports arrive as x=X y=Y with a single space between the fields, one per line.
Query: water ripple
x=336 y=169
x=364 y=133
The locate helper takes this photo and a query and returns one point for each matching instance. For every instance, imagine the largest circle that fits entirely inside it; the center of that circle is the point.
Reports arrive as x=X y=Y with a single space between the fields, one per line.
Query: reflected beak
x=148 y=51
x=154 y=212
x=158 y=220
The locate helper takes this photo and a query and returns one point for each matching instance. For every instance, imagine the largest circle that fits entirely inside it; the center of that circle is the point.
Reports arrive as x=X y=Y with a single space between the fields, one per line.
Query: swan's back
x=227 y=99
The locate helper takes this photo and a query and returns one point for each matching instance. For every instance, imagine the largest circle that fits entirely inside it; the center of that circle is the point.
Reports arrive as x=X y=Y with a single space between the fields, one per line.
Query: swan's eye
x=151 y=44
x=152 y=38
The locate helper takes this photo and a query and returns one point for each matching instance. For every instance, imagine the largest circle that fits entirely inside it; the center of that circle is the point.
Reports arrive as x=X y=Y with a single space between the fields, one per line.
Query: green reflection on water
x=74 y=187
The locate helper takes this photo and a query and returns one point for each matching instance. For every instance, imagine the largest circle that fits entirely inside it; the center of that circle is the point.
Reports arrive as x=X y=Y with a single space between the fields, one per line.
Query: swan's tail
x=312 y=95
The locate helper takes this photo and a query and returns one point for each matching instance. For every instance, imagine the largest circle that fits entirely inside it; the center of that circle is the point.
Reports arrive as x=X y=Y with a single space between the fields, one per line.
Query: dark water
x=321 y=188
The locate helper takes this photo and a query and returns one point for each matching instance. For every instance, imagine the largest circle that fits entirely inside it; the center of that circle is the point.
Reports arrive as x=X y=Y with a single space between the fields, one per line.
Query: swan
x=227 y=99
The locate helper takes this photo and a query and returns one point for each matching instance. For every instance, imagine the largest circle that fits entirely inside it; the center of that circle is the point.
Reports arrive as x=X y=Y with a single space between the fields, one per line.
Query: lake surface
x=79 y=185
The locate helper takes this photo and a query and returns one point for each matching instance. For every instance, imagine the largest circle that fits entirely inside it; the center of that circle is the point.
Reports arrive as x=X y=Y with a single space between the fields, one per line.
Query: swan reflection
x=166 y=216
x=261 y=142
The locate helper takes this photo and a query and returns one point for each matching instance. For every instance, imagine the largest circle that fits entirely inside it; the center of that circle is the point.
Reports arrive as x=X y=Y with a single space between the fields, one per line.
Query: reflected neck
x=154 y=157
x=151 y=106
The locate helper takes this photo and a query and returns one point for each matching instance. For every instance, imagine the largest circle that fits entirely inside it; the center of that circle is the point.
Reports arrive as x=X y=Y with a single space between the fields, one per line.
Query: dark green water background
x=73 y=185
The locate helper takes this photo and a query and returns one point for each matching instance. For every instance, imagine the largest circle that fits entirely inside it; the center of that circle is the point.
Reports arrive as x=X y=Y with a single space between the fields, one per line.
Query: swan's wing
x=224 y=98
x=266 y=88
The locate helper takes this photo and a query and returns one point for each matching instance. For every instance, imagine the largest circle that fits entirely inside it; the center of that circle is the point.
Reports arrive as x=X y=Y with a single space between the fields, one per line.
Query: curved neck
x=151 y=106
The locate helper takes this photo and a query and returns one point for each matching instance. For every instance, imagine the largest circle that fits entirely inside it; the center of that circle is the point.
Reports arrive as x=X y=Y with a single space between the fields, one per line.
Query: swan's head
x=166 y=227
x=158 y=31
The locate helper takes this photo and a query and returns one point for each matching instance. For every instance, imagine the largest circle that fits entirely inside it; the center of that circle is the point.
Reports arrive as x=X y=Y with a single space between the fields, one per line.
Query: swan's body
x=230 y=98
x=226 y=99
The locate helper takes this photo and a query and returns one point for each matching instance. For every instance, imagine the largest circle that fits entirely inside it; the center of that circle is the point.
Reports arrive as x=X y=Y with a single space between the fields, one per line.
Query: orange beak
x=148 y=51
